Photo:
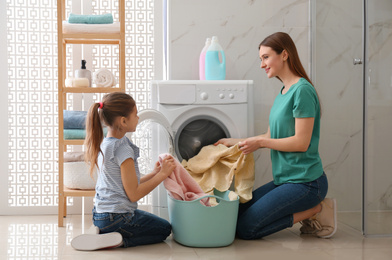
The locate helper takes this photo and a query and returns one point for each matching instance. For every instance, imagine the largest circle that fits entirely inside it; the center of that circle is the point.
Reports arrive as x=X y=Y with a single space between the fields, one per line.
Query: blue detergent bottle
x=215 y=69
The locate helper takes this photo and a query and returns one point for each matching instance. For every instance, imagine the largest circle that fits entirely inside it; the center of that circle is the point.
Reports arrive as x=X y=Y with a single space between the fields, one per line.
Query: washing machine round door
x=197 y=132
x=154 y=134
x=157 y=135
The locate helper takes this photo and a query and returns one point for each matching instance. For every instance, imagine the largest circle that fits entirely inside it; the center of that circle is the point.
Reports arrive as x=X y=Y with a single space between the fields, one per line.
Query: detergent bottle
x=215 y=69
x=202 y=60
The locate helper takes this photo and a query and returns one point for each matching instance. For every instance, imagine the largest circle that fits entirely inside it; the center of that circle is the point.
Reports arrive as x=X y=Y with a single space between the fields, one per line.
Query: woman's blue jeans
x=138 y=228
x=272 y=206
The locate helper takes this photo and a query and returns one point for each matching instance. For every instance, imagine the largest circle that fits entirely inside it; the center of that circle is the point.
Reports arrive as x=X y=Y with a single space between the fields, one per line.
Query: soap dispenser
x=83 y=72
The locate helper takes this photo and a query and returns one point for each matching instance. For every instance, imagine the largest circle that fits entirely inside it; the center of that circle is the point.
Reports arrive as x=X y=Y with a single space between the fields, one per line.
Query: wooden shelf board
x=74 y=142
x=91 y=38
x=91 y=90
x=78 y=193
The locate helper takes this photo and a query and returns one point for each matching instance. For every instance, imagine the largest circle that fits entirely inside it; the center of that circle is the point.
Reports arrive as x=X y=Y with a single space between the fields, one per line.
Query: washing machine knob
x=204 y=95
x=231 y=95
x=221 y=96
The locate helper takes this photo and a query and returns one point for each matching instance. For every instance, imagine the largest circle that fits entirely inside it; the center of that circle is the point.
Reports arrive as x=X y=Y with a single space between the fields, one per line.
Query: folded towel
x=77 y=82
x=73 y=156
x=181 y=186
x=70 y=134
x=216 y=166
x=77 y=176
x=104 y=78
x=90 y=19
x=91 y=28
x=74 y=119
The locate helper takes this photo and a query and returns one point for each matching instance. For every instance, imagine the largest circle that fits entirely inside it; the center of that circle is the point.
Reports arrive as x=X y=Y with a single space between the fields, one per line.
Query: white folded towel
x=104 y=78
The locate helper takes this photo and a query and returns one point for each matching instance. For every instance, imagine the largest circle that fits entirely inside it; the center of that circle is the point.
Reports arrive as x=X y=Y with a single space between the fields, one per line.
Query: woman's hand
x=250 y=145
x=227 y=141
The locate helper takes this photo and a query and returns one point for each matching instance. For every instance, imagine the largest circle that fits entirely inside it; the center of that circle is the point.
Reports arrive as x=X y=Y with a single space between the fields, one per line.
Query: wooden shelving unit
x=63 y=40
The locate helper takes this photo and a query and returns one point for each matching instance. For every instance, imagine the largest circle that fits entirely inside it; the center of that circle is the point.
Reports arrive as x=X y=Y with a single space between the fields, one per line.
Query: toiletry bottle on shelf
x=202 y=60
x=215 y=69
x=83 y=72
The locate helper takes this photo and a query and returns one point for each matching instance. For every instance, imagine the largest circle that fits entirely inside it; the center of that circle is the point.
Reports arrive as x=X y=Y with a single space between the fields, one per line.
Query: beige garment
x=216 y=166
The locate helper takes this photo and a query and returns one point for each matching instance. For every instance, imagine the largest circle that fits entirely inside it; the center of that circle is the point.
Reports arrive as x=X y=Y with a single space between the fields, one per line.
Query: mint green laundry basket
x=196 y=225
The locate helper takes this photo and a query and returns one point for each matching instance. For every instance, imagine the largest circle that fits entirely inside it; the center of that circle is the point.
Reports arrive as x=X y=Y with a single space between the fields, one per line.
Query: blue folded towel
x=90 y=19
x=78 y=133
x=74 y=119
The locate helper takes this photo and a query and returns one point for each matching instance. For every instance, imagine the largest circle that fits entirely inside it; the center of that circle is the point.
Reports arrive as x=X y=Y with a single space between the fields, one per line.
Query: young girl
x=119 y=185
x=297 y=192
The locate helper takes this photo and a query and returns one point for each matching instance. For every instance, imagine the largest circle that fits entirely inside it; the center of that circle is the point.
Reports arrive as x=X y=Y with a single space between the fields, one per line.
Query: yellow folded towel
x=216 y=166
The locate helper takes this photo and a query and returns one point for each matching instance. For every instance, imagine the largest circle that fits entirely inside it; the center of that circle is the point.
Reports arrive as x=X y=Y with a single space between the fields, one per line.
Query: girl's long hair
x=280 y=41
x=113 y=105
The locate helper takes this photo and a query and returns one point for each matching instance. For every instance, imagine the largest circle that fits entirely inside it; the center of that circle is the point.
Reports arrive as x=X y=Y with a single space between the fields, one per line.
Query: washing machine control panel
x=207 y=92
x=221 y=94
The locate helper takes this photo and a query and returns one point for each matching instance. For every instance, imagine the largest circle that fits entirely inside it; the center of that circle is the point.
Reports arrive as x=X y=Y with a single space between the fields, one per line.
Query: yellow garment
x=215 y=167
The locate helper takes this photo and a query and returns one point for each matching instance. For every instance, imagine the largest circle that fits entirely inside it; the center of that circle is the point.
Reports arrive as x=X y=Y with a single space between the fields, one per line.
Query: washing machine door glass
x=196 y=133
x=153 y=136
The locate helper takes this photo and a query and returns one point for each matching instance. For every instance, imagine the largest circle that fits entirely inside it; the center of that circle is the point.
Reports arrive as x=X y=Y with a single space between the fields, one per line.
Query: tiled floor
x=39 y=237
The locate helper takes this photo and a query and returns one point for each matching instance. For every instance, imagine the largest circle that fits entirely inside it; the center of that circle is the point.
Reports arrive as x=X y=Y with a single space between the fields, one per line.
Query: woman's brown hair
x=112 y=106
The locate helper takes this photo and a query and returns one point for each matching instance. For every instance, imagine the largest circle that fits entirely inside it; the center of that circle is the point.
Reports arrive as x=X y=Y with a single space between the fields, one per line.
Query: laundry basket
x=196 y=225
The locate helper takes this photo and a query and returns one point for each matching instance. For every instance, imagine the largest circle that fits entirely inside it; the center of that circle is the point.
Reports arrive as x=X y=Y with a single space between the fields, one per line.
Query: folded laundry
x=74 y=119
x=90 y=19
x=91 y=28
x=181 y=186
x=216 y=166
x=70 y=134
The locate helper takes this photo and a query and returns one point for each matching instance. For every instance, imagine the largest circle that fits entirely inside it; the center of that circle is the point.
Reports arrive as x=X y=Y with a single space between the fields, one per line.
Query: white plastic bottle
x=215 y=69
x=202 y=60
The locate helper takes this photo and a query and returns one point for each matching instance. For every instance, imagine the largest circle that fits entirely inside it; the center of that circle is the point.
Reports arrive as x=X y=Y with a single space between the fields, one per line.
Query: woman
x=297 y=192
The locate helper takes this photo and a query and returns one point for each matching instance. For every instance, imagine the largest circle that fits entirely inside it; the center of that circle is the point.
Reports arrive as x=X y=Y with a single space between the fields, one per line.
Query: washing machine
x=193 y=114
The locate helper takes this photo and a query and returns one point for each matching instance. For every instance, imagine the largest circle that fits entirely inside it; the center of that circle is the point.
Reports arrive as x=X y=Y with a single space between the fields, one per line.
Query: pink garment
x=181 y=185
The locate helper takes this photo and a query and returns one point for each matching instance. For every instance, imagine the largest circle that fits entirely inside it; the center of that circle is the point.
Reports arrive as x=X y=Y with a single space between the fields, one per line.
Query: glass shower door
x=337 y=37
x=352 y=62
x=378 y=119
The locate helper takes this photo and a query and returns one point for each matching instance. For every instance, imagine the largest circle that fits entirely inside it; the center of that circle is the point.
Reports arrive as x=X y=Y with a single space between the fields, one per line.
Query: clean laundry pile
x=215 y=167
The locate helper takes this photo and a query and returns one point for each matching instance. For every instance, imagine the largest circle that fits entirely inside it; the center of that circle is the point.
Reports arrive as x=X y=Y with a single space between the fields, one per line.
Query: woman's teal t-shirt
x=300 y=101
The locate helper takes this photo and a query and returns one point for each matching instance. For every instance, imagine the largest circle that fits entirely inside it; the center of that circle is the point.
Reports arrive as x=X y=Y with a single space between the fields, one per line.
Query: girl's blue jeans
x=272 y=206
x=138 y=228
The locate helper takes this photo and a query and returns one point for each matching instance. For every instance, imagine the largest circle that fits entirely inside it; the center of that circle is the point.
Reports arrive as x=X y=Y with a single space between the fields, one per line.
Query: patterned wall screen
x=32 y=87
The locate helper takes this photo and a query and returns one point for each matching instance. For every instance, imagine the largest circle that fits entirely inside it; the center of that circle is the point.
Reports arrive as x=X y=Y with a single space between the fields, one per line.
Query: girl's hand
x=167 y=166
x=249 y=145
x=157 y=168
x=227 y=141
